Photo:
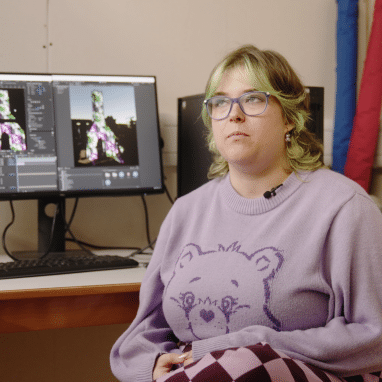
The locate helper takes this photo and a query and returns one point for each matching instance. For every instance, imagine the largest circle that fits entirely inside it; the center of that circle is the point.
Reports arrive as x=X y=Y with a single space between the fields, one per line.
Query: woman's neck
x=252 y=186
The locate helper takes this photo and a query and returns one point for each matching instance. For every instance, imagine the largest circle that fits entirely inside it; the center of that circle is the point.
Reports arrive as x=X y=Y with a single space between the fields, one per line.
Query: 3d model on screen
x=9 y=127
x=101 y=131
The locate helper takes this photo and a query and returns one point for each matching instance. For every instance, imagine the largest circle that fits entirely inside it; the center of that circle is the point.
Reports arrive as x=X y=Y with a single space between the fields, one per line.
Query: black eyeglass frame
x=236 y=100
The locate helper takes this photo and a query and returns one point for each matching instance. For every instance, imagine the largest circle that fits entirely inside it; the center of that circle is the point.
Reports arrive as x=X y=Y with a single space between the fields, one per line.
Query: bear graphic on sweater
x=221 y=291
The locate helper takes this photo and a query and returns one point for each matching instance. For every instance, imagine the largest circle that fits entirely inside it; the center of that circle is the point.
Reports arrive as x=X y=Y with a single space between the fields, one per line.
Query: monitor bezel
x=50 y=77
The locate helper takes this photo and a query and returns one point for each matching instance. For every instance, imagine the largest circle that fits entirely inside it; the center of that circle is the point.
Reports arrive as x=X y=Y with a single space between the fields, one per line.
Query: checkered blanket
x=255 y=363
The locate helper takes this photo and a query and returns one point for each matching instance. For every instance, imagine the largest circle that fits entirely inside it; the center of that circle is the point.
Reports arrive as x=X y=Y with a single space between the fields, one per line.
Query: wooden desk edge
x=69 y=291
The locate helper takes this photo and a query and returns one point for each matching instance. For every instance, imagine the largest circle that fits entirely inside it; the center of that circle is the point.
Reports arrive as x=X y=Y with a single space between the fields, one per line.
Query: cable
x=6 y=229
x=67 y=226
x=84 y=243
x=151 y=242
x=56 y=212
x=141 y=250
x=146 y=220
x=82 y=246
x=168 y=194
x=73 y=212
x=137 y=249
x=59 y=208
x=11 y=223
x=100 y=246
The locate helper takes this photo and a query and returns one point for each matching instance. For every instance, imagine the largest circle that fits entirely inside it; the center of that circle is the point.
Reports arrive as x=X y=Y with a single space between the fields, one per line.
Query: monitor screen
x=78 y=135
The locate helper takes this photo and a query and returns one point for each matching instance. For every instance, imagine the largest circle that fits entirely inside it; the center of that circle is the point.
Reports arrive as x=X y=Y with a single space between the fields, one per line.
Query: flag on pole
x=347 y=42
x=366 y=126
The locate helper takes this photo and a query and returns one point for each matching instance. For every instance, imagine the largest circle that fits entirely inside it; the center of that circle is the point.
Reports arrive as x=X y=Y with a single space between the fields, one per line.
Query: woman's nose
x=236 y=114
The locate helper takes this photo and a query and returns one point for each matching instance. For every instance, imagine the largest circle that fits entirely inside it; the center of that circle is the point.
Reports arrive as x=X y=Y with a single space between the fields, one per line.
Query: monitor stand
x=54 y=242
x=45 y=221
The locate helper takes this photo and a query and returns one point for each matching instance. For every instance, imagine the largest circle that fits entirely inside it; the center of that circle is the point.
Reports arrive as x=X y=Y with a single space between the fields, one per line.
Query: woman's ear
x=288 y=127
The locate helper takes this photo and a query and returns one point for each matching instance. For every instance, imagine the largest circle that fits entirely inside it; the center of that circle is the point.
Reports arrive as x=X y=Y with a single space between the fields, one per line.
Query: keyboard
x=65 y=262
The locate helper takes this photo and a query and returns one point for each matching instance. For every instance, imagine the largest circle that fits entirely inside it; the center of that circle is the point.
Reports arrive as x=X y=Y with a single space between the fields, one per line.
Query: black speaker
x=316 y=105
x=194 y=158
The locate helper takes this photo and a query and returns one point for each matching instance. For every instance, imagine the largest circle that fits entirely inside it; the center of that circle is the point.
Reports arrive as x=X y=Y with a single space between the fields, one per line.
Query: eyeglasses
x=251 y=103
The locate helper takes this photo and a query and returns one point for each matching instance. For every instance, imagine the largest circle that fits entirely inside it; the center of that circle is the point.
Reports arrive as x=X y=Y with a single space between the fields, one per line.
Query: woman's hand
x=187 y=358
x=166 y=361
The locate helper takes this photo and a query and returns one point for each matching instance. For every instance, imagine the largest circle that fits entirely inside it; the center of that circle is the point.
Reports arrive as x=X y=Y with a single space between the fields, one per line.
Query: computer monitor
x=67 y=135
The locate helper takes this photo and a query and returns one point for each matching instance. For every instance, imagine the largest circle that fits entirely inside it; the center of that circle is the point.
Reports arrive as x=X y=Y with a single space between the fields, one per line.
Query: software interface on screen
x=78 y=134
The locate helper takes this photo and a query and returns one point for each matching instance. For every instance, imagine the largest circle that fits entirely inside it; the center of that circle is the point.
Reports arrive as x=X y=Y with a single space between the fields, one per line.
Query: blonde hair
x=269 y=71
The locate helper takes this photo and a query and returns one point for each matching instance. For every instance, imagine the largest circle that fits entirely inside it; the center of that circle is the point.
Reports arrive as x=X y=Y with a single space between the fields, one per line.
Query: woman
x=272 y=270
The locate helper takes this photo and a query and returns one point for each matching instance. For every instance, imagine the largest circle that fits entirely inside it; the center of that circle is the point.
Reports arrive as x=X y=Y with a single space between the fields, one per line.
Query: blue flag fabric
x=347 y=31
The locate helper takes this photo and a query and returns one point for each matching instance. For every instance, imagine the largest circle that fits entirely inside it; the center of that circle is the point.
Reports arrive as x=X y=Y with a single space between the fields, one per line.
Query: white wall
x=179 y=41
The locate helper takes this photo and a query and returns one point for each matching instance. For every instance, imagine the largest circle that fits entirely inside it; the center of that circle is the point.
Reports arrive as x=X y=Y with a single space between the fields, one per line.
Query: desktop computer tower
x=194 y=158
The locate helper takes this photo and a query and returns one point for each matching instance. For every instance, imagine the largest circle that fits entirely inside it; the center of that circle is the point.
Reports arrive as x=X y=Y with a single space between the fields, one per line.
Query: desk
x=68 y=301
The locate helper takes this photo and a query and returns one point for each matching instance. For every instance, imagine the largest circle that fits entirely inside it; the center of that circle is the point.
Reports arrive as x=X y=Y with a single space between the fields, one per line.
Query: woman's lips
x=237 y=134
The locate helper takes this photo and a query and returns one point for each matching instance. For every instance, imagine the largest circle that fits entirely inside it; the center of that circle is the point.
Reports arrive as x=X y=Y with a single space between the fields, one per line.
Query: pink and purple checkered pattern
x=255 y=363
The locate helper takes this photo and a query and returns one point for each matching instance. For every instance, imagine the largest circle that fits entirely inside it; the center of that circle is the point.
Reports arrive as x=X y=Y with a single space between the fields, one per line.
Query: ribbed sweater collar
x=260 y=205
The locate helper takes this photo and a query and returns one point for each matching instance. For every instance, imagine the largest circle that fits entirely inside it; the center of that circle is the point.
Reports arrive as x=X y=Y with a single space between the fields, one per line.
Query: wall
x=179 y=41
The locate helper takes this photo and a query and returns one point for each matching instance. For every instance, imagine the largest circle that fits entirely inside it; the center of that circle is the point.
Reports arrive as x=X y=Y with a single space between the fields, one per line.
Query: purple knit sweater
x=301 y=271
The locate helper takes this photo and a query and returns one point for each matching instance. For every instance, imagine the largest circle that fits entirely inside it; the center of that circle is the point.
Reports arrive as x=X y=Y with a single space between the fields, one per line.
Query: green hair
x=269 y=71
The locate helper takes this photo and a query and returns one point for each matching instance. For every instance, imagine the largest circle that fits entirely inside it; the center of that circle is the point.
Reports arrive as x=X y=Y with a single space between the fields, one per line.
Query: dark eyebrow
x=225 y=94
